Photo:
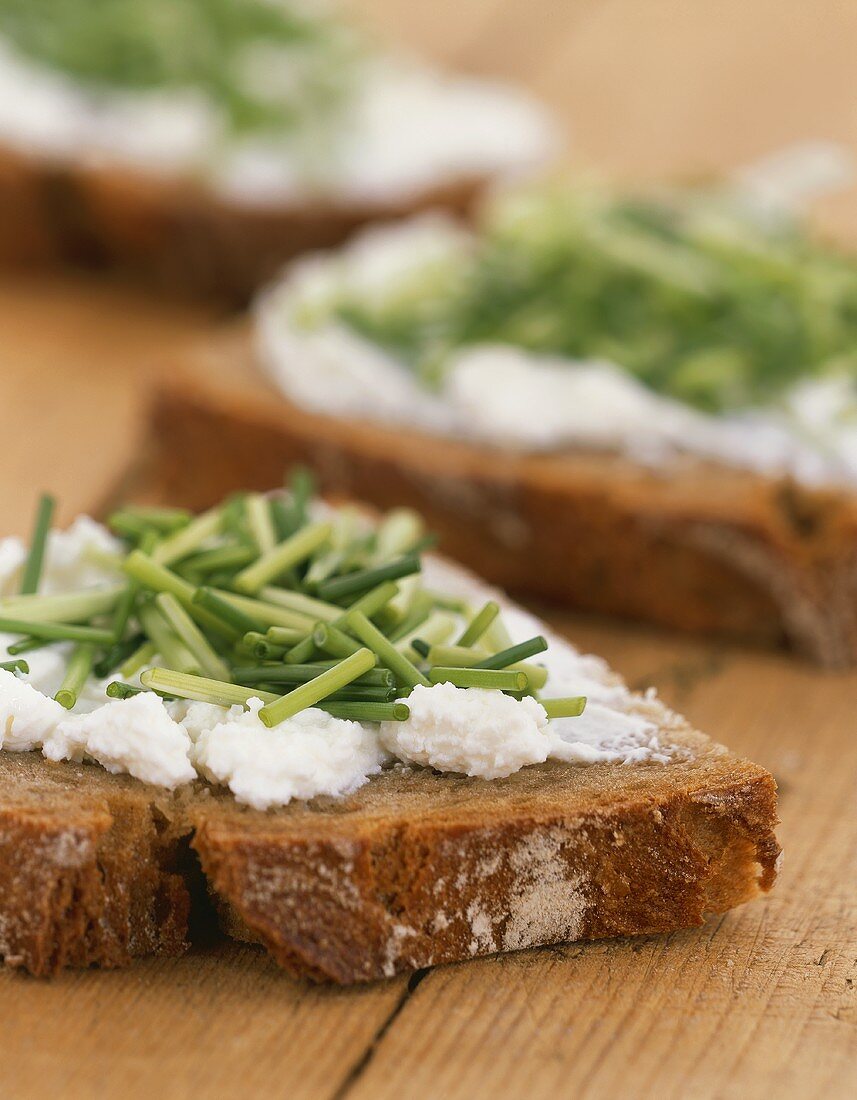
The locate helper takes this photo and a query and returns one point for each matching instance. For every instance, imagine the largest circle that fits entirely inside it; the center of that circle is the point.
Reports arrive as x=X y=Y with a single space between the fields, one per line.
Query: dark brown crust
x=175 y=233
x=694 y=546
x=92 y=872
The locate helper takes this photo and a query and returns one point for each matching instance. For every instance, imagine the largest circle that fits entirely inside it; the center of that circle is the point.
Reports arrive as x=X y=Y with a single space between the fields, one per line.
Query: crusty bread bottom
x=414 y=869
x=694 y=546
x=175 y=233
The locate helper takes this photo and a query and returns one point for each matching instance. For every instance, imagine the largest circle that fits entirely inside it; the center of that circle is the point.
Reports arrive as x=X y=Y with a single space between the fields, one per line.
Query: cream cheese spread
x=407 y=129
x=171 y=743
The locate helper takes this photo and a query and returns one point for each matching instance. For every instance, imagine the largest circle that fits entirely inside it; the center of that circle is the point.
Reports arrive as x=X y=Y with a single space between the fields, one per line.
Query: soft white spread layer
x=407 y=129
x=511 y=398
x=471 y=732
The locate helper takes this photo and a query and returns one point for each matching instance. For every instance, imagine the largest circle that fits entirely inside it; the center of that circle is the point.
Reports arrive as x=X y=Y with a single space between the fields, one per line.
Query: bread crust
x=693 y=546
x=174 y=232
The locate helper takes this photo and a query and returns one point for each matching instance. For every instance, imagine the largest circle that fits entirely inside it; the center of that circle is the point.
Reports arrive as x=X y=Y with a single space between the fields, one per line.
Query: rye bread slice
x=694 y=546
x=173 y=232
x=414 y=869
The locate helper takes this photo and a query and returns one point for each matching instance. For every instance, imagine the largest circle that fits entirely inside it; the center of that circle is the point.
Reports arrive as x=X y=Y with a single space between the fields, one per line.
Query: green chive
x=258 y=645
x=76 y=674
x=206 y=599
x=341 y=588
x=26 y=645
x=332 y=640
x=514 y=653
x=266 y=614
x=300 y=674
x=406 y=673
x=56 y=632
x=189 y=538
x=571 y=706
x=419 y=611
x=371 y=602
x=38 y=541
x=283 y=556
x=68 y=607
x=202 y=689
x=397 y=532
x=159 y=578
x=300 y=603
x=116 y=655
x=141 y=657
x=436 y=629
x=314 y=691
x=302 y=652
x=284 y=635
x=492 y=679
x=163 y=519
x=453 y=656
x=368 y=712
x=191 y=637
x=15 y=666
x=479 y=624
x=167 y=642
x=221 y=557
x=536 y=674
x=118 y=690
x=260 y=523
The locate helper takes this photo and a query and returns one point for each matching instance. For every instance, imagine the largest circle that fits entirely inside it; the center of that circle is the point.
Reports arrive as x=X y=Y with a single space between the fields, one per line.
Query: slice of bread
x=413 y=869
x=175 y=233
x=695 y=546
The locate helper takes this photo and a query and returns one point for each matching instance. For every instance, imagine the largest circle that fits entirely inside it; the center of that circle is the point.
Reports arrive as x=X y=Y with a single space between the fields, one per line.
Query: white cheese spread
x=168 y=744
x=407 y=129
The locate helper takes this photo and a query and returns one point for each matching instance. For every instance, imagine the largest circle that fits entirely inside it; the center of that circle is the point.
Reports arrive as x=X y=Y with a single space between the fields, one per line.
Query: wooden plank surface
x=762 y=1000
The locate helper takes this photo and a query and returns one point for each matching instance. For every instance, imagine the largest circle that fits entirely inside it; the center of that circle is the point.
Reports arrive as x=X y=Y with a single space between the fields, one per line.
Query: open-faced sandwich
x=204 y=141
x=374 y=762
x=642 y=404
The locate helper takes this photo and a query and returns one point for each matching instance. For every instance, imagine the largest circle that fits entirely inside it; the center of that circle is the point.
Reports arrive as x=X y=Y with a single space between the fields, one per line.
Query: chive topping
x=76 y=674
x=282 y=557
x=479 y=624
x=56 y=632
x=496 y=679
x=318 y=689
x=514 y=653
x=571 y=706
x=15 y=666
x=38 y=541
x=192 y=637
x=406 y=673
x=340 y=588
x=201 y=689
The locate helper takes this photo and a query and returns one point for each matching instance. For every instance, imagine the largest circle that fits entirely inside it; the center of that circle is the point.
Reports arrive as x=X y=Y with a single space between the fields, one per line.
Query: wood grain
x=762 y=1000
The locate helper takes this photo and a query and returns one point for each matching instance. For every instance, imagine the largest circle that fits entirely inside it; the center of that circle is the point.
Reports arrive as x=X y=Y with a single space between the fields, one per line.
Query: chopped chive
x=206 y=599
x=116 y=655
x=419 y=611
x=260 y=523
x=497 y=637
x=447 y=603
x=190 y=538
x=368 y=712
x=420 y=647
x=128 y=599
x=284 y=555
x=162 y=519
x=170 y=648
x=284 y=635
x=202 y=689
x=192 y=637
x=454 y=656
x=258 y=644
x=141 y=657
x=302 y=652
x=266 y=614
x=300 y=603
x=406 y=673
x=284 y=520
x=330 y=639
x=435 y=630
x=38 y=541
x=571 y=706
x=221 y=557
x=341 y=588
x=143 y=568
x=118 y=690
x=397 y=533
x=300 y=674
x=26 y=645
x=65 y=607
x=56 y=632
x=302 y=487
x=492 y=679
x=76 y=674
x=15 y=666
x=479 y=624
x=371 y=602
x=318 y=689
x=130 y=528
x=536 y=674
x=514 y=653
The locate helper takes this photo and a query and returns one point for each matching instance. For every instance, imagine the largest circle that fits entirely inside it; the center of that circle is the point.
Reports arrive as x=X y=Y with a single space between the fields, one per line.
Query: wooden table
x=759 y=1002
